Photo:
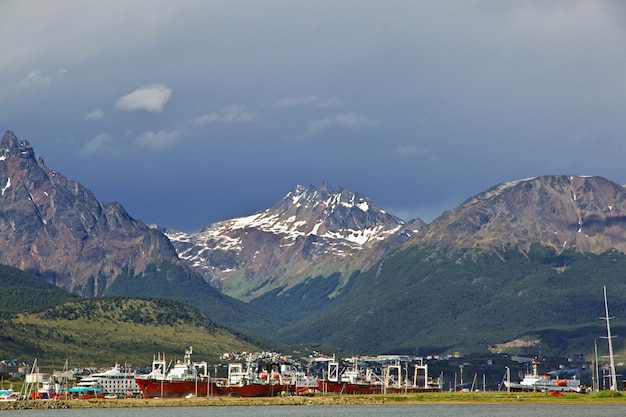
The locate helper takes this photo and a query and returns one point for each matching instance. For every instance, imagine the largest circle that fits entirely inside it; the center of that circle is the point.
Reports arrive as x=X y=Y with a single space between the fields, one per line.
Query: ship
x=351 y=380
x=184 y=379
x=114 y=382
x=299 y=382
x=246 y=382
x=356 y=380
x=38 y=385
x=395 y=383
x=532 y=381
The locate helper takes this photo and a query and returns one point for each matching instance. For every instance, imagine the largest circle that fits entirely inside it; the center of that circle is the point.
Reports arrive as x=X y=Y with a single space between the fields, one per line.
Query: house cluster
x=15 y=368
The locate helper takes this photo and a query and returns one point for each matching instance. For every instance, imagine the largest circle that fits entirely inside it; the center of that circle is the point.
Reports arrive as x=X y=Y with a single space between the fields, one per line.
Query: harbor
x=330 y=400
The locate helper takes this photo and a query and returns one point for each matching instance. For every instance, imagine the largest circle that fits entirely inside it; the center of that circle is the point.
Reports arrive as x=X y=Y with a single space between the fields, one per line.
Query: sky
x=191 y=112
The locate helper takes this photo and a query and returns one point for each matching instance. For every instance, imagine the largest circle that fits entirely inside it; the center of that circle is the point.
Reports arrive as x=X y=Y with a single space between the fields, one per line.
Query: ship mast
x=609 y=337
x=596 y=373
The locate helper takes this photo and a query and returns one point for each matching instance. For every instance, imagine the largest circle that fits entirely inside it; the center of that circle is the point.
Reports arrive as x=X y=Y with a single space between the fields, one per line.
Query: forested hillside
x=101 y=331
x=413 y=301
x=21 y=291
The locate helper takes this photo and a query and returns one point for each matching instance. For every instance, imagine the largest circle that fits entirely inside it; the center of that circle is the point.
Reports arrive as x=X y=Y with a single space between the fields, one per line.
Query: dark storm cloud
x=191 y=112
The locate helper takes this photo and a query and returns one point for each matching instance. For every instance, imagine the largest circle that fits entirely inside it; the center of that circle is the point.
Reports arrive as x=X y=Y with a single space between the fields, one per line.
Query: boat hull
x=545 y=387
x=253 y=390
x=410 y=390
x=153 y=388
x=349 y=388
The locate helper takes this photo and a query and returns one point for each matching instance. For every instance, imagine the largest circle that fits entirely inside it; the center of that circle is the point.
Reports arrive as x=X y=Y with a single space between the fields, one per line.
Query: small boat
x=8 y=395
x=38 y=385
x=85 y=393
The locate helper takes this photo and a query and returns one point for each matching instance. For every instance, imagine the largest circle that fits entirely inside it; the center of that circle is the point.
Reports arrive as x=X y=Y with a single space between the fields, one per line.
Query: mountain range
x=520 y=265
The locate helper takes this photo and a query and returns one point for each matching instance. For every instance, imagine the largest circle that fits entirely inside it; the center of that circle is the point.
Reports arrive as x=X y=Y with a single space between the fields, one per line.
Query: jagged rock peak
x=309 y=232
x=11 y=145
x=55 y=228
x=326 y=194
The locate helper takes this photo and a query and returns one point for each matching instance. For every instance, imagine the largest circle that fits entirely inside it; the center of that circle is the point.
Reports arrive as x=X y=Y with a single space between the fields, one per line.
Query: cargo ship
x=184 y=379
x=245 y=382
x=351 y=380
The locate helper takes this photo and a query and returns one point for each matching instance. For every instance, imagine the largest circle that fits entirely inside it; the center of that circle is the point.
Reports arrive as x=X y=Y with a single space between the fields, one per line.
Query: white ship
x=113 y=381
x=534 y=382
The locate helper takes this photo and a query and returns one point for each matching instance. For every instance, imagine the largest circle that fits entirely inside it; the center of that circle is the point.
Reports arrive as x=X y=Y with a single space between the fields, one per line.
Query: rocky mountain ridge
x=309 y=232
x=585 y=214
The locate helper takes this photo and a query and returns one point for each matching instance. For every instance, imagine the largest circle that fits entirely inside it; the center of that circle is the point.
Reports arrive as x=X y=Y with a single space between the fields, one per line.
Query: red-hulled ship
x=242 y=382
x=184 y=379
x=354 y=380
x=350 y=381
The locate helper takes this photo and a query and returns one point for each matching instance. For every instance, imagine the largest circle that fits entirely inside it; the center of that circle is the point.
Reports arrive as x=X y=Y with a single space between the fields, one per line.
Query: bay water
x=417 y=410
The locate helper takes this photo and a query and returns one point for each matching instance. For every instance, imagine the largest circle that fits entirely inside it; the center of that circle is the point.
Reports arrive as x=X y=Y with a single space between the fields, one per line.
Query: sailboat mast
x=596 y=380
x=608 y=335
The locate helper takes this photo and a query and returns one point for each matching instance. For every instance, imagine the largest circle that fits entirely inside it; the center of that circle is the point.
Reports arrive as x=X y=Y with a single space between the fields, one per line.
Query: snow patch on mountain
x=7 y=185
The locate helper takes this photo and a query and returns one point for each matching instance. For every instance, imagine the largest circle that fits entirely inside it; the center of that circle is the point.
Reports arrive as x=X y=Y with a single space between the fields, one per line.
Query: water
x=413 y=410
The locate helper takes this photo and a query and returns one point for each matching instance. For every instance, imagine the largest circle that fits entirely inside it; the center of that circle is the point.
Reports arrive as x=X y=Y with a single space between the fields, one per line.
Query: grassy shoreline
x=377 y=399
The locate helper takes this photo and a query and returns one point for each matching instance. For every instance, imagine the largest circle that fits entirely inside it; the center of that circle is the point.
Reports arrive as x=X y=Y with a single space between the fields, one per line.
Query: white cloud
x=233 y=113
x=35 y=78
x=96 y=114
x=331 y=102
x=411 y=150
x=237 y=114
x=159 y=140
x=314 y=101
x=206 y=119
x=349 y=120
x=98 y=144
x=295 y=101
x=152 y=98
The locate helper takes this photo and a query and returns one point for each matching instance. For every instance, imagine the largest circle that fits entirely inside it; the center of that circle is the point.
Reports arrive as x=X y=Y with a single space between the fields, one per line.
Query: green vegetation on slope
x=21 y=291
x=100 y=331
x=301 y=300
x=412 y=300
x=40 y=320
x=168 y=281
